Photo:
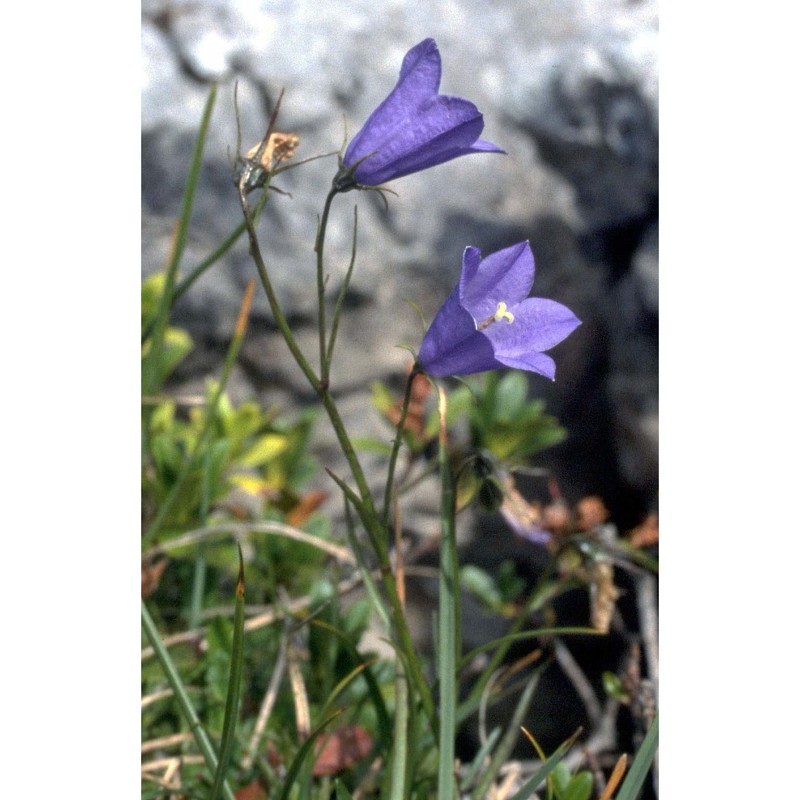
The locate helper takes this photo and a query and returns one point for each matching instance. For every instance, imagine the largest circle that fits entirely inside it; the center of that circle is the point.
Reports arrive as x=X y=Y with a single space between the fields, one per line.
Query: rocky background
x=568 y=88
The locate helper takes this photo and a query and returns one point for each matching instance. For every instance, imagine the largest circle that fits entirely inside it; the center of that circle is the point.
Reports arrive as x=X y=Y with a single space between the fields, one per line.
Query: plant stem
x=448 y=618
x=319 y=246
x=272 y=298
x=377 y=532
x=398 y=441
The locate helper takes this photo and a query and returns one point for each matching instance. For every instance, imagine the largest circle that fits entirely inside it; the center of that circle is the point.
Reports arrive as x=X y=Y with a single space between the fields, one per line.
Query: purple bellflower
x=414 y=128
x=489 y=321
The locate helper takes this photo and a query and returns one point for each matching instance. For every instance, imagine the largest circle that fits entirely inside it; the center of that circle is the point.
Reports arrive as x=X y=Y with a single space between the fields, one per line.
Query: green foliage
x=177 y=343
x=567 y=786
x=505 y=423
x=249 y=449
x=497 y=592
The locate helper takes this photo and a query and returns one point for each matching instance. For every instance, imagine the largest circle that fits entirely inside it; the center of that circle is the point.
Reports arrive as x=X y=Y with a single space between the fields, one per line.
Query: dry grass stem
x=149 y=699
x=268 y=703
x=571 y=668
x=241 y=530
x=166 y=741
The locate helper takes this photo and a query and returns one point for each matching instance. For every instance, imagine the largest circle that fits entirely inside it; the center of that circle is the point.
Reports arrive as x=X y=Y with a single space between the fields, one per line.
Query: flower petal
x=539 y=324
x=441 y=131
x=532 y=362
x=414 y=127
x=502 y=277
x=452 y=345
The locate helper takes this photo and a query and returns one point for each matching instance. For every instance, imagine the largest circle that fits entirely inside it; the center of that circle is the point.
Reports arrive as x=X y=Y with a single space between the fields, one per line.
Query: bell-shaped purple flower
x=414 y=128
x=489 y=321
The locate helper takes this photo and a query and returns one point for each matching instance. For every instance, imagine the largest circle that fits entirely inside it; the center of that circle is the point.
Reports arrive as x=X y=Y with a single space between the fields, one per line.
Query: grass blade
x=381 y=712
x=528 y=788
x=234 y=686
x=471 y=773
x=182 y=696
x=150 y=366
x=509 y=738
x=302 y=753
x=637 y=774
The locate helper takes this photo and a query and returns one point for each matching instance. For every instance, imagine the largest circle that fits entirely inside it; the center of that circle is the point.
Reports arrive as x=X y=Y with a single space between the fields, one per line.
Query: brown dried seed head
x=556 y=518
x=280 y=146
x=590 y=512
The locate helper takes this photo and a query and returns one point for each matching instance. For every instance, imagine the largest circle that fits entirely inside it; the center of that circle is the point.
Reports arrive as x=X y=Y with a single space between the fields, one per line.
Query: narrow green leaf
x=182 y=696
x=509 y=738
x=384 y=722
x=337 y=311
x=159 y=326
x=234 y=685
x=302 y=753
x=529 y=787
x=471 y=773
x=637 y=774
x=341 y=791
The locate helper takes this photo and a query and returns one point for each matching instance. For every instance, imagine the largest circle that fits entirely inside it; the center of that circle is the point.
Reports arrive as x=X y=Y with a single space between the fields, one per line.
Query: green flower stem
x=319 y=246
x=211 y=411
x=377 y=532
x=337 y=312
x=448 y=618
x=272 y=298
x=182 y=696
x=400 y=749
x=398 y=441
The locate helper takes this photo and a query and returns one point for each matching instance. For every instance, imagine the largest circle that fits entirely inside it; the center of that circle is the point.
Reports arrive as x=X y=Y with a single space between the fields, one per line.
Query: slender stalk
x=272 y=298
x=319 y=246
x=366 y=507
x=448 y=618
x=400 y=748
x=199 y=580
x=398 y=441
x=337 y=311
x=181 y=695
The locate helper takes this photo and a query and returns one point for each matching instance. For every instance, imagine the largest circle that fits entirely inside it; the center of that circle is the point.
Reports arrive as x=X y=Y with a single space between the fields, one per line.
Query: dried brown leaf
x=342 y=749
x=151 y=576
x=590 y=512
